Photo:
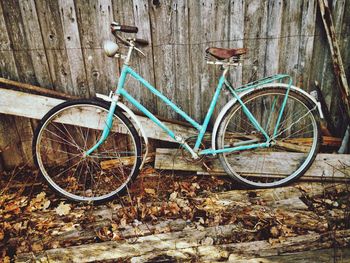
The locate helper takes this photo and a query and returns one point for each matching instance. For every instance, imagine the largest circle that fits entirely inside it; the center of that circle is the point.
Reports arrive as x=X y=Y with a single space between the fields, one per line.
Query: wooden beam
x=292 y=146
x=319 y=255
x=34 y=89
x=325 y=166
x=288 y=197
x=35 y=106
x=335 y=52
x=189 y=244
x=111 y=164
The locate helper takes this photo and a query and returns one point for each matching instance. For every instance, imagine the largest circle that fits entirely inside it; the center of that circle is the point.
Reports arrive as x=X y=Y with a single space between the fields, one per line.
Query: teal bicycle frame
x=126 y=70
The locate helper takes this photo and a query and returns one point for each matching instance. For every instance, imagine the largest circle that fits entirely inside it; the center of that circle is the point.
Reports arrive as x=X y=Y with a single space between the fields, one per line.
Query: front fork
x=108 y=122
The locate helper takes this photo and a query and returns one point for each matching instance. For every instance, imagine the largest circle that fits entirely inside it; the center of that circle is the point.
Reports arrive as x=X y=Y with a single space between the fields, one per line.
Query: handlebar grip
x=142 y=42
x=128 y=29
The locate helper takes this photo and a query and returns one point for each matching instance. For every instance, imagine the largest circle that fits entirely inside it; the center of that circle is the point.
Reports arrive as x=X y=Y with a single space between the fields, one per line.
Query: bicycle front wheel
x=294 y=146
x=62 y=139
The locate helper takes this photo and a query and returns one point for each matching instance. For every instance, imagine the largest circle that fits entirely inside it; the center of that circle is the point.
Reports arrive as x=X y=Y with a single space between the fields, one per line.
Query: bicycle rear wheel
x=296 y=142
x=67 y=132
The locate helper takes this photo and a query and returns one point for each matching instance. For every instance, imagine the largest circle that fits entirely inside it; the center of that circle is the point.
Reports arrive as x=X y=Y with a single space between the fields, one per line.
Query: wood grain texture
x=34 y=38
x=72 y=43
x=43 y=104
x=274 y=24
x=289 y=44
x=255 y=18
x=8 y=67
x=52 y=32
x=93 y=19
x=190 y=244
x=25 y=57
x=163 y=16
x=306 y=44
x=325 y=166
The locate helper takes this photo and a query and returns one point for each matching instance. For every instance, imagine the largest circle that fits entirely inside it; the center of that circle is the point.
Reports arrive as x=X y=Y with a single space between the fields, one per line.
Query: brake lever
x=140 y=51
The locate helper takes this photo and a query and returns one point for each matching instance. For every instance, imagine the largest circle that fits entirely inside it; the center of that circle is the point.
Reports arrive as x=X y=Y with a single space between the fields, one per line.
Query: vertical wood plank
x=306 y=45
x=94 y=18
x=236 y=30
x=52 y=32
x=274 y=24
x=10 y=155
x=195 y=50
x=323 y=67
x=145 y=65
x=222 y=36
x=74 y=52
x=181 y=48
x=8 y=67
x=215 y=20
x=15 y=29
x=255 y=18
x=35 y=42
x=10 y=144
x=289 y=44
x=25 y=134
x=24 y=57
x=124 y=15
x=255 y=23
x=208 y=18
x=338 y=11
x=344 y=38
x=163 y=20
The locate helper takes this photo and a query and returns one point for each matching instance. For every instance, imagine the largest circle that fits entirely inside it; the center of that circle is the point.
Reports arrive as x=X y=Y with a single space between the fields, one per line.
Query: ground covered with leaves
x=34 y=219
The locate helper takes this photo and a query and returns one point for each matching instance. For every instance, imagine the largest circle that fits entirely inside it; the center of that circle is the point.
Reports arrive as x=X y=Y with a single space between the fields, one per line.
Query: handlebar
x=139 y=41
x=115 y=27
x=123 y=28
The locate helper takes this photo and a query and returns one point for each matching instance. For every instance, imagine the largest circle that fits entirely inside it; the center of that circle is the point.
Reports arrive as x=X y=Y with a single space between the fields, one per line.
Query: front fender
x=133 y=117
x=241 y=95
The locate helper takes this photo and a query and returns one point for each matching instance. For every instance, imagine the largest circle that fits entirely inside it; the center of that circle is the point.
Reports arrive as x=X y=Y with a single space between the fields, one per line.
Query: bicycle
x=267 y=135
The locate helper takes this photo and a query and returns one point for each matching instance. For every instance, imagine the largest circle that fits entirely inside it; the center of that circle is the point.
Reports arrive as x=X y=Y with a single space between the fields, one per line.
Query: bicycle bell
x=111 y=48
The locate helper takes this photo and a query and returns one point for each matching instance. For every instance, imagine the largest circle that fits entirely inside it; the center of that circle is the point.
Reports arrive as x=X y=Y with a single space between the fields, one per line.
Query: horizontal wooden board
x=330 y=166
x=35 y=106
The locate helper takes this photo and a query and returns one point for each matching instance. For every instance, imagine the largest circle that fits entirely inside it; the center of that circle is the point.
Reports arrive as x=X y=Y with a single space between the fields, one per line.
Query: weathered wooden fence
x=58 y=45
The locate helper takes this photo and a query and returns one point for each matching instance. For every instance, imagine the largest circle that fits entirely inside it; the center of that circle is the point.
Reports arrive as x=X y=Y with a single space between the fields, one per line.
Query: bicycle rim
x=296 y=140
x=65 y=136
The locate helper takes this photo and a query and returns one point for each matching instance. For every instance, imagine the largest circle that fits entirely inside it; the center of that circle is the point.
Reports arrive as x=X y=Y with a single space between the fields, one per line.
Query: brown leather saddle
x=225 y=53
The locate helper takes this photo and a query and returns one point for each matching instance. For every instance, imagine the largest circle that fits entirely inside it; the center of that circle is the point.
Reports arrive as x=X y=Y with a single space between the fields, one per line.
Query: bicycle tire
x=66 y=132
x=258 y=168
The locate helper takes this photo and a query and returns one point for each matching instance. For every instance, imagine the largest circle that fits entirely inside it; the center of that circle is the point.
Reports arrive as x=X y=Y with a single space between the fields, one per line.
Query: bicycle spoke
x=81 y=177
x=285 y=158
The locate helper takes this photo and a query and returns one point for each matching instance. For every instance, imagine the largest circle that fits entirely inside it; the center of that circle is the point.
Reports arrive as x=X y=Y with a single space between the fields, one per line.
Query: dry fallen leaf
x=173 y=196
x=274 y=231
x=13 y=207
x=63 y=209
x=173 y=208
x=40 y=202
x=150 y=191
x=36 y=247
